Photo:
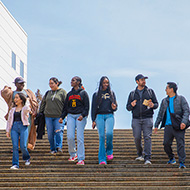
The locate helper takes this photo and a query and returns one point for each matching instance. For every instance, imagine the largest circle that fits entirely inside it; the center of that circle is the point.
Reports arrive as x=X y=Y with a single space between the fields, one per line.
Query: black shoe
x=59 y=150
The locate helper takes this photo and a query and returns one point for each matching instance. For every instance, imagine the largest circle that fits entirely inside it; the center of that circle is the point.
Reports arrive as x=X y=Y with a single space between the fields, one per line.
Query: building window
x=13 y=60
x=21 y=69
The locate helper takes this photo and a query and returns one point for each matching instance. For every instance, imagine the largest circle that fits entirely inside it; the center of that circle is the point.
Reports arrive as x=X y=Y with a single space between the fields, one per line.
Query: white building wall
x=12 y=39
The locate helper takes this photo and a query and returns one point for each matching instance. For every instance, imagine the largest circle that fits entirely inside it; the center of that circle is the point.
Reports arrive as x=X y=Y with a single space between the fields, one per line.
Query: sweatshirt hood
x=80 y=89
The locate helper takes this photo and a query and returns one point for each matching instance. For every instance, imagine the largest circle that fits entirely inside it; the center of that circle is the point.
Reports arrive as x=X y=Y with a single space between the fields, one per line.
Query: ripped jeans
x=55 y=132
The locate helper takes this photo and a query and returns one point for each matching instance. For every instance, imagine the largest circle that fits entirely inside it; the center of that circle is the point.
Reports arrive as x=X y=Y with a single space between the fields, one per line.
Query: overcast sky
x=117 y=38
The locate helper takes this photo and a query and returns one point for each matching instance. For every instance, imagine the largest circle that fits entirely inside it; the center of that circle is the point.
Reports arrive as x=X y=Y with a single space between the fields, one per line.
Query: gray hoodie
x=181 y=108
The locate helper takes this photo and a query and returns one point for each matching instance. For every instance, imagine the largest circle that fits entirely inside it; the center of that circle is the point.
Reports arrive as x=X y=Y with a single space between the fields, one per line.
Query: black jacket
x=40 y=122
x=141 y=111
x=76 y=102
x=105 y=105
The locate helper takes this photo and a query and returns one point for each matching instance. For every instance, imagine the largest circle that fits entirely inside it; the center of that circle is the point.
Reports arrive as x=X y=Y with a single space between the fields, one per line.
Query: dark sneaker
x=59 y=151
x=171 y=161
x=182 y=165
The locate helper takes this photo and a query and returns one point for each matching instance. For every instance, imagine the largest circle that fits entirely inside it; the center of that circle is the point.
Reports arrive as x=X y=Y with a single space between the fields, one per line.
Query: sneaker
x=59 y=150
x=72 y=159
x=14 y=167
x=53 y=152
x=171 y=161
x=102 y=163
x=147 y=162
x=80 y=162
x=27 y=163
x=182 y=165
x=110 y=157
x=140 y=158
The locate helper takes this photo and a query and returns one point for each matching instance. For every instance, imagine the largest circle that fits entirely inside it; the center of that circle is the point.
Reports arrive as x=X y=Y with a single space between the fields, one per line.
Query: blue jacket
x=181 y=108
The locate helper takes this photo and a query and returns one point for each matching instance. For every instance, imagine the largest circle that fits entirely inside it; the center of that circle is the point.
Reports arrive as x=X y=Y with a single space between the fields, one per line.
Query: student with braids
x=103 y=105
x=76 y=109
x=52 y=107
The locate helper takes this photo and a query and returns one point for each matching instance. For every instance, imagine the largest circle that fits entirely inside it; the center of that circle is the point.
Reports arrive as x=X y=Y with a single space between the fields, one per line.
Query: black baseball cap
x=19 y=80
x=140 y=76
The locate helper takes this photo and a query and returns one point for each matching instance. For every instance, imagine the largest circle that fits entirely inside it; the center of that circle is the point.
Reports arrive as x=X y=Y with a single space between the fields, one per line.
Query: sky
x=114 y=38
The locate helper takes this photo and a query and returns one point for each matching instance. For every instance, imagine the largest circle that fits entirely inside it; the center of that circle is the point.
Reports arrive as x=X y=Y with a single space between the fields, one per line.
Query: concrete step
x=123 y=172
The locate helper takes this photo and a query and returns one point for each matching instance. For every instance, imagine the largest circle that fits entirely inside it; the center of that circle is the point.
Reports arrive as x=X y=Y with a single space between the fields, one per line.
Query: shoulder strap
x=169 y=108
x=149 y=92
x=46 y=94
x=133 y=95
x=180 y=101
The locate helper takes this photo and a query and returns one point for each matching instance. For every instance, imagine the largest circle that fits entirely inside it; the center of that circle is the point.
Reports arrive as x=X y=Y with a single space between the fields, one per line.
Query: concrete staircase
x=123 y=172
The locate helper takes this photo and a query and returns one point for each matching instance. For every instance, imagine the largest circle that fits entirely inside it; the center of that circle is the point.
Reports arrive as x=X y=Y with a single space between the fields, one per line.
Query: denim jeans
x=105 y=122
x=145 y=126
x=19 y=130
x=72 y=123
x=55 y=132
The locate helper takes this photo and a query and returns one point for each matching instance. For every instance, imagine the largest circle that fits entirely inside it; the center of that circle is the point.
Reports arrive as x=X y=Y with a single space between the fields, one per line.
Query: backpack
x=148 y=90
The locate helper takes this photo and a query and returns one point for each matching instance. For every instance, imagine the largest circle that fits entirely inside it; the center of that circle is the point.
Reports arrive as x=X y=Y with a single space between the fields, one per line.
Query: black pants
x=169 y=134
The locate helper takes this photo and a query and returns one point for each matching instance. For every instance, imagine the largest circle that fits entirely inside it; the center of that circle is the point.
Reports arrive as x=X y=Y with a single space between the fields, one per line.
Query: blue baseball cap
x=140 y=76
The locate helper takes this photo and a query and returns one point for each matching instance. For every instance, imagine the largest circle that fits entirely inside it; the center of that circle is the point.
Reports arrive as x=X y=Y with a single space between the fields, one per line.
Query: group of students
x=72 y=108
x=173 y=116
x=57 y=105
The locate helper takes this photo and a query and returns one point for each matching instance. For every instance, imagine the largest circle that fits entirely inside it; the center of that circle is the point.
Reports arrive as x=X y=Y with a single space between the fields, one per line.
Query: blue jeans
x=105 y=122
x=72 y=123
x=55 y=132
x=19 y=130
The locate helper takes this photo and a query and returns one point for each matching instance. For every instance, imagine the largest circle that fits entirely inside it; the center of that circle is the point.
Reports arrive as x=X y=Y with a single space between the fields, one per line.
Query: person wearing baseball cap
x=140 y=76
x=19 y=83
x=142 y=101
x=19 y=80
x=8 y=95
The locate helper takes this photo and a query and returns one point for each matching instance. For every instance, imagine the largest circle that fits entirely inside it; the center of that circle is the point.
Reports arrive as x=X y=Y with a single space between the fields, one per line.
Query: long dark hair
x=56 y=81
x=99 y=98
x=22 y=97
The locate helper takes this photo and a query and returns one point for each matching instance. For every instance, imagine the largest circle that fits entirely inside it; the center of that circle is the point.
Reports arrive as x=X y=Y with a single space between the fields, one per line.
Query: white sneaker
x=53 y=152
x=27 y=163
x=147 y=162
x=14 y=167
x=140 y=158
